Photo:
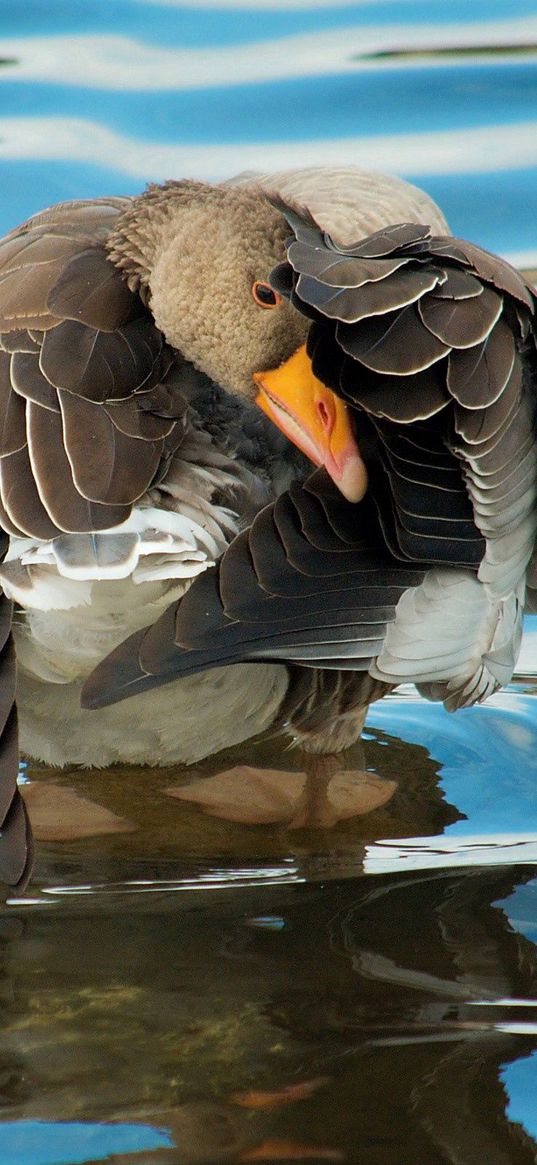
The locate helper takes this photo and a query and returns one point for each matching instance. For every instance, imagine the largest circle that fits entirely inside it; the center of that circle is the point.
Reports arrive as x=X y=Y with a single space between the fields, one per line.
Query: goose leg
x=331 y=793
x=317 y=797
x=325 y=714
x=314 y=809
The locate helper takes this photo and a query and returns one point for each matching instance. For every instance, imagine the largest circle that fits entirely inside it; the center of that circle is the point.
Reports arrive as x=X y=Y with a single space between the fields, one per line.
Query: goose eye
x=265 y=295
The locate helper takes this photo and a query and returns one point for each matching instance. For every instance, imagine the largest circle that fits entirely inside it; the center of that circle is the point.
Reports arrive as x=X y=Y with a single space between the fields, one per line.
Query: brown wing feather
x=395 y=342
x=455 y=361
x=28 y=381
x=388 y=294
x=478 y=375
x=461 y=323
x=140 y=416
x=67 y=506
x=88 y=289
x=83 y=435
x=20 y=341
x=119 y=475
x=12 y=412
x=23 y=296
x=22 y=511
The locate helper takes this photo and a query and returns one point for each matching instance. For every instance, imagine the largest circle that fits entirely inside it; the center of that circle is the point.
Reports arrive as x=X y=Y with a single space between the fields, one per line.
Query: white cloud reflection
x=485 y=149
x=393 y=856
x=117 y=62
x=418 y=156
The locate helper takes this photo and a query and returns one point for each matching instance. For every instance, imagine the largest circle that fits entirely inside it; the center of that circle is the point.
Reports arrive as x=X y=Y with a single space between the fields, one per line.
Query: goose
x=411 y=556
x=132 y=451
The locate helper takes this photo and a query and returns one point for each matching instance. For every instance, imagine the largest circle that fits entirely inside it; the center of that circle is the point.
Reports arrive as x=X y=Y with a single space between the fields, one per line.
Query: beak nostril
x=323 y=413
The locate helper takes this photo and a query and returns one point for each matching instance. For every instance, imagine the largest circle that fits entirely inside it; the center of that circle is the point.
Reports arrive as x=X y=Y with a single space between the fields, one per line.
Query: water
x=102 y=97
x=382 y=995
x=176 y=988
x=243 y=993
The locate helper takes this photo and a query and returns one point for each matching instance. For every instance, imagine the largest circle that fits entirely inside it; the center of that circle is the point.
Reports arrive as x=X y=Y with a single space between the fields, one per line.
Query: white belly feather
x=81 y=595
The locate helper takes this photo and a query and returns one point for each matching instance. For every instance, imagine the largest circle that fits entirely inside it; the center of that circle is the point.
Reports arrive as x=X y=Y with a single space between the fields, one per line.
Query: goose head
x=201 y=256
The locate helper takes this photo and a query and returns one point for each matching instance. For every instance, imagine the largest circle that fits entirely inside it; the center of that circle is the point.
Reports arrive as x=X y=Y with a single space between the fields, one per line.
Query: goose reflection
x=131 y=828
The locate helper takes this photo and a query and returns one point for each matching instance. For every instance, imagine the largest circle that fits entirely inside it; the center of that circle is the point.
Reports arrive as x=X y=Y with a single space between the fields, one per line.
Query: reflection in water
x=394 y=997
x=485 y=756
x=122 y=824
x=461 y=790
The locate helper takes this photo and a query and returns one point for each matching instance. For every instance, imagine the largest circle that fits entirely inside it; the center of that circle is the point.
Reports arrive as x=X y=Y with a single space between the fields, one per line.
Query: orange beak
x=315 y=420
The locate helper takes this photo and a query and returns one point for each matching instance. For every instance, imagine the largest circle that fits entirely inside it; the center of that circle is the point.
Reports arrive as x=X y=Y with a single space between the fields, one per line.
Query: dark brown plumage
x=462 y=340
x=78 y=391
x=83 y=374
